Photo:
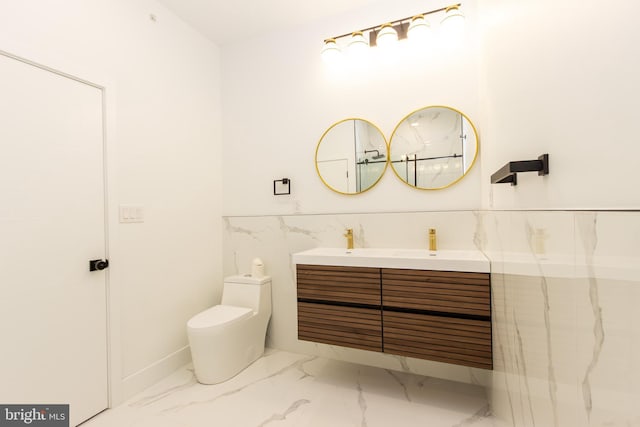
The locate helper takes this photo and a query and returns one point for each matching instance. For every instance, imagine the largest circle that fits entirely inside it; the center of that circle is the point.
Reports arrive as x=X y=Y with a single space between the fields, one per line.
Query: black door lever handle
x=98 y=264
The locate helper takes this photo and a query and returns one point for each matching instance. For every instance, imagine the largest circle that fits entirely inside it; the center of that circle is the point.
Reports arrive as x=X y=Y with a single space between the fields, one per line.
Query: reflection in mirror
x=433 y=148
x=351 y=156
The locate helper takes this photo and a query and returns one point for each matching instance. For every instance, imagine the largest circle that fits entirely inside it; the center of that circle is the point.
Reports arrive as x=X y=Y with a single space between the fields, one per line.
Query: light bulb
x=358 y=43
x=387 y=36
x=453 y=21
x=419 y=29
x=330 y=50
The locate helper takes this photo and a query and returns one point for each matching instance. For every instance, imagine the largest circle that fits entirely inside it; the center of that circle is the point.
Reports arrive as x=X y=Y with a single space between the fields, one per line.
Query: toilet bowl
x=227 y=338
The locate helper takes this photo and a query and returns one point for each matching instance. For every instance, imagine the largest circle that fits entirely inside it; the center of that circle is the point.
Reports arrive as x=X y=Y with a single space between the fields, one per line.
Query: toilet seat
x=218 y=315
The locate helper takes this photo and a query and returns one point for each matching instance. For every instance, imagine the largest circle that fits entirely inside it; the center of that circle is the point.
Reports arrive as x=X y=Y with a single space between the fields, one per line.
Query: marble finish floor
x=284 y=389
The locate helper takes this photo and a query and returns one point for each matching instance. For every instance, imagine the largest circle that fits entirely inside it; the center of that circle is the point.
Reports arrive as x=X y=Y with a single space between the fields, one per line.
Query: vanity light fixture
x=330 y=49
x=387 y=36
x=419 y=28
x=413 y=27
x=357 y=43
x=452 y=15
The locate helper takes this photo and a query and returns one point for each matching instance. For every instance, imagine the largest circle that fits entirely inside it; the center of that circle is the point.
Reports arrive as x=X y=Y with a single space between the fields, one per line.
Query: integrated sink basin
x=420 y=259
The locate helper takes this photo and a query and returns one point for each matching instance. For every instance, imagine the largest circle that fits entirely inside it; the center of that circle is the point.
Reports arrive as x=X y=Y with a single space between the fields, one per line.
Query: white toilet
x=228 y=337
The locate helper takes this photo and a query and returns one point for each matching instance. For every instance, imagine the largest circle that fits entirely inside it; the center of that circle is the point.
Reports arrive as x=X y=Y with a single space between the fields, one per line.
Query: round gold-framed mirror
x=433 y=147
x=351 y=156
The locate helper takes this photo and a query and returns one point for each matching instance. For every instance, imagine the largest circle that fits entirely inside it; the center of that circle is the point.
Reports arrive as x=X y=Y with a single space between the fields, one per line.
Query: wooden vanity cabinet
x=345 y=326
x=443 y=339
x=451 y=292
x=436 y=315
x=340 y=306
x=349 y=285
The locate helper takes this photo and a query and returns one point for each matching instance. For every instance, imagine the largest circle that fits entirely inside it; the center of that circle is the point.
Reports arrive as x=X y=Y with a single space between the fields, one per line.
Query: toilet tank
x=247 y=291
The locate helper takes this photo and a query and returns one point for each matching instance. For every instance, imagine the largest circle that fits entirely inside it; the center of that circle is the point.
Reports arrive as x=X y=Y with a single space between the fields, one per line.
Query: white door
x=53 y=324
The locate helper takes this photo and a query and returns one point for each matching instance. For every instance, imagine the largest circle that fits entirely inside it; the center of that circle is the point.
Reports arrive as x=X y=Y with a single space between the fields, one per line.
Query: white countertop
x=420 y=259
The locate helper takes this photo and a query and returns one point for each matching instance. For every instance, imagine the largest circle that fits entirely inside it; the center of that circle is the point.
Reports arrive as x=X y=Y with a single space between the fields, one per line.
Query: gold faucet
x=432 y=239
x=349 y=236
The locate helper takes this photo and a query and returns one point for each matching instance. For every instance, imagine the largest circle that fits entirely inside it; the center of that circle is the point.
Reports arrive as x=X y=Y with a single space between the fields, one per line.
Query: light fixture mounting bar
x=396 y=22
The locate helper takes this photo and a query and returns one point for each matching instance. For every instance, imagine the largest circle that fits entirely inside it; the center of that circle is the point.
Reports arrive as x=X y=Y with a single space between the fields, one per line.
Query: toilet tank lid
x=248 y=279
x=218 y=315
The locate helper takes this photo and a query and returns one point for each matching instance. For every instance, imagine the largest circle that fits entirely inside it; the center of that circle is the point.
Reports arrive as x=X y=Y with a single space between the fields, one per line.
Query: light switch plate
x=131 y=213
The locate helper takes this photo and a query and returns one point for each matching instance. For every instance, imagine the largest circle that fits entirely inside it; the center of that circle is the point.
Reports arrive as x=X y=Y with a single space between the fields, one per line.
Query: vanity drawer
x=353 y=285
x=443 y=339
x=345 y=326
x=437 y=291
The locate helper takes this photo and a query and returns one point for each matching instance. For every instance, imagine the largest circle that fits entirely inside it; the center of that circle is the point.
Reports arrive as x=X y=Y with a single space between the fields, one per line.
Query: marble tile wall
x=566 y=293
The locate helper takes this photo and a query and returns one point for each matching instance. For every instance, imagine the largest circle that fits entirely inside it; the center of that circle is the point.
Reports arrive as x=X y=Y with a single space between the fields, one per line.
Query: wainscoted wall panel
x=565 y=298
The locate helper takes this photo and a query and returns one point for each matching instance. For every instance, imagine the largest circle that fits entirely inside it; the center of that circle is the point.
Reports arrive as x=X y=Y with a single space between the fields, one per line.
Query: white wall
x=535 y=77
x=279 y=97
x=561 y=78
x=163 y=142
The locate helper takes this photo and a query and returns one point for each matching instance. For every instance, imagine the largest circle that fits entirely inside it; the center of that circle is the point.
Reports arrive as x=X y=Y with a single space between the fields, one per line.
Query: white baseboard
x=146 y=377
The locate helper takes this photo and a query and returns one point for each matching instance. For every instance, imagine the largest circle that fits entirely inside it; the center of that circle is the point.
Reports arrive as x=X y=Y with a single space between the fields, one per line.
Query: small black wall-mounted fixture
x=509 y=172
x=284 y=182
x=98 y=264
